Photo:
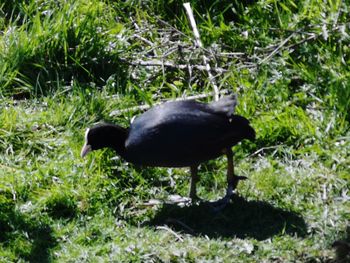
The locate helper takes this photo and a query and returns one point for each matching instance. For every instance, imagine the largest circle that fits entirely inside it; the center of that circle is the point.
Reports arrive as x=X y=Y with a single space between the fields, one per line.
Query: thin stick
x=172 y=27
x=144 y=40
x=158 y=63
x=189 y=11
x=277 y=49
x=170 y=231
x=311 y=37
x=176 y=221
x=264 y=148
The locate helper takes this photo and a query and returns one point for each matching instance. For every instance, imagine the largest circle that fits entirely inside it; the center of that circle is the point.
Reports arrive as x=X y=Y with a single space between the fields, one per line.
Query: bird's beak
x=85 y=150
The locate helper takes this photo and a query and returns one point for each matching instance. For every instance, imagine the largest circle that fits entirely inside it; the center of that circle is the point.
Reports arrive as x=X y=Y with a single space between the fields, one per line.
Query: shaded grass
x=29 y=237
x=241 y=219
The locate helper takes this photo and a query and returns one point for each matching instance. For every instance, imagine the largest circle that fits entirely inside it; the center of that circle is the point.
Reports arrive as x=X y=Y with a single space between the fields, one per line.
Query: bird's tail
x=225 y=105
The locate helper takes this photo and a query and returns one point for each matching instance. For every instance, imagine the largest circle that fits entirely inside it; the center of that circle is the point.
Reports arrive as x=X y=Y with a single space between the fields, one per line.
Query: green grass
x=67 y=65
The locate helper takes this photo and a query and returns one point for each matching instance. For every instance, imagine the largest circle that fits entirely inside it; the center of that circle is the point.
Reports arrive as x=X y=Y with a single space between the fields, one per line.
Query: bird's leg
x=230 y=175
x=194 y=180
x=232 y=181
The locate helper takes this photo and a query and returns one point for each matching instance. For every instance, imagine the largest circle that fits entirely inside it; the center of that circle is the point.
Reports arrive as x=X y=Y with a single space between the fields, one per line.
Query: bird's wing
x=183 y=126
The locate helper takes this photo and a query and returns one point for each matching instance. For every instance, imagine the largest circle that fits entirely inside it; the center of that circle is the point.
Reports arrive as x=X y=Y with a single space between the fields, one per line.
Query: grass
x=66 y=66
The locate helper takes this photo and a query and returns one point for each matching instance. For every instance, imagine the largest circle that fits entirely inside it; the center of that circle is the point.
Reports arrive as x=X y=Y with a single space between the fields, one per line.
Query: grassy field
x=65 y=65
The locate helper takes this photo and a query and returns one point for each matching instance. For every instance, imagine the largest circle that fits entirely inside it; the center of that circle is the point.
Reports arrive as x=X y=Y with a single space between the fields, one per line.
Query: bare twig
x=277 y=49
x=134 y=23
x=311 y=37
x=176 y=221
x=144 y=40
x=264 y=148
x=189 y=11
x=172 y=27
x=136 y=108
x=231 y=54
x=171 y=232
x=169 y=64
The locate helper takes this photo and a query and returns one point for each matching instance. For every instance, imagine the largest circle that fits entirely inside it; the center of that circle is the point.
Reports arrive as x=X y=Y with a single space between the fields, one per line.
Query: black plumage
x=177 y=134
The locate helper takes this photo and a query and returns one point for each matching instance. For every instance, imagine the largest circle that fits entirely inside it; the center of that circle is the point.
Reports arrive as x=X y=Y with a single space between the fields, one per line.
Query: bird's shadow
x=241 y=218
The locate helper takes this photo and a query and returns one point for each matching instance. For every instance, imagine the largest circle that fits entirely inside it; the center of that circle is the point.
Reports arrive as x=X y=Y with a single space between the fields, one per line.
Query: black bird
x=177 y=134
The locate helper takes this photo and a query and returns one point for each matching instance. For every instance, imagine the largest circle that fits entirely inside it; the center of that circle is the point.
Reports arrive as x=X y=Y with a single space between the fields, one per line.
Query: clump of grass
x=60 y=205
x=49 y=49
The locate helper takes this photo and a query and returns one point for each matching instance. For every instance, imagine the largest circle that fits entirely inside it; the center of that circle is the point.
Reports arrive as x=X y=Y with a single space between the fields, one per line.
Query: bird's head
x=104 y=135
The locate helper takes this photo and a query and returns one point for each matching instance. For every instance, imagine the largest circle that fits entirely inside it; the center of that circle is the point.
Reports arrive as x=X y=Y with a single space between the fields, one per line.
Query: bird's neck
x=119 y=135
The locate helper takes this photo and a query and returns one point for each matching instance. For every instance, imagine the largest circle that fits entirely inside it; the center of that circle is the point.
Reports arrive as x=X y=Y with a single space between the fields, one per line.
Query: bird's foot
x=235 y=180
x=195 y=199
x=241 y=177
x=220 y=204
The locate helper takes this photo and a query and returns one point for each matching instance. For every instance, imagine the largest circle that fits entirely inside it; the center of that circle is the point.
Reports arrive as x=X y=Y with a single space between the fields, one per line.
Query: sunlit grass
x=60 y=72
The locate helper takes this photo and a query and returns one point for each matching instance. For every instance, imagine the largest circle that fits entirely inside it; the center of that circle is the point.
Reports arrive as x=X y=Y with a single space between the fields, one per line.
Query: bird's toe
x=195 y=198
x=220 y=204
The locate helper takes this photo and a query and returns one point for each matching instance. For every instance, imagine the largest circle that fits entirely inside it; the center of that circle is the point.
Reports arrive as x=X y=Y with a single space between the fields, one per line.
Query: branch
x=170 y=231
x=176 y=221
x=169 y=64
x=265 y=148
x=189 y=11
x=276 y=49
